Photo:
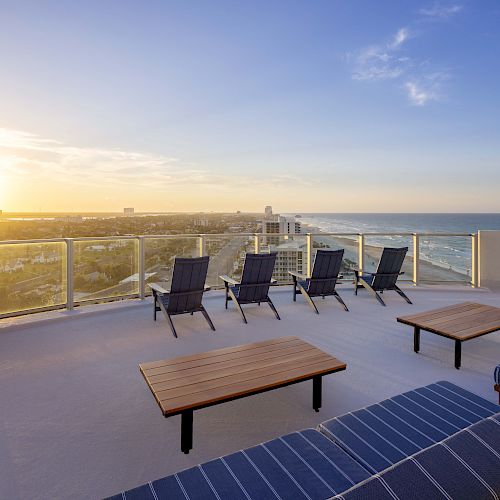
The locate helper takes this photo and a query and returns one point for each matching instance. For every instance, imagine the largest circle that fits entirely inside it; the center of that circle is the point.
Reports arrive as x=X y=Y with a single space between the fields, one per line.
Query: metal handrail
x=225 y=235
x=202 y=238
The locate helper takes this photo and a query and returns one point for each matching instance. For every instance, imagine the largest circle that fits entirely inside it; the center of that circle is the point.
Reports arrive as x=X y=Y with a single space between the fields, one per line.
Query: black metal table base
x=458 y=354
x=187 y=416
x=458 y=347
x=317 y=392
x=416 y=339
x=187 y=431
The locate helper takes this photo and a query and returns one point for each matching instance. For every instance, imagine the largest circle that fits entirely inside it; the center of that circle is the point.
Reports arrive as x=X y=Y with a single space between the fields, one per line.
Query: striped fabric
x=496 y=375
x=301 y=465
x=387 y=432
x=462 y=467
x=438 y=441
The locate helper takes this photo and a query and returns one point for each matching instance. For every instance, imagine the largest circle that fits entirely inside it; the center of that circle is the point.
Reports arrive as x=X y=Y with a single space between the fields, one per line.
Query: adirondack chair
x=388 y=271
x=255 y=282
x=186 y=292
x=323 y=279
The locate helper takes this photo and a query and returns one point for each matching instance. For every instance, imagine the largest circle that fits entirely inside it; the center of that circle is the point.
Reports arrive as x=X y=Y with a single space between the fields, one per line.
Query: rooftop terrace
x=79 y=421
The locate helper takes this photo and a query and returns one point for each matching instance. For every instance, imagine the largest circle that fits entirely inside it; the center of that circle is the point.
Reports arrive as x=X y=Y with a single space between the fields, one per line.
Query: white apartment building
x=292 y=254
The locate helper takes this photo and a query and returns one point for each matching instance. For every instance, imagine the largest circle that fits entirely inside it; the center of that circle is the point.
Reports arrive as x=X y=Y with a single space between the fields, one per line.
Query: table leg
x=458 y=354
x=317 y=392
x=416 y=339
x=187 y=431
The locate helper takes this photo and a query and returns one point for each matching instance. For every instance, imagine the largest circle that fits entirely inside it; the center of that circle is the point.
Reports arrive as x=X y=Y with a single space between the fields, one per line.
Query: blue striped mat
x=387 y=432
x=301 y=465
x=465 y=466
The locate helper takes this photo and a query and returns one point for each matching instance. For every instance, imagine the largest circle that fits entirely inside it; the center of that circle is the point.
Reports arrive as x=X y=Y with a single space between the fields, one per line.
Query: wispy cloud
x=391 y=60
x=400 y=37
x=426 y=89
x=440 y=11
x=382 y=62
x=27 y=155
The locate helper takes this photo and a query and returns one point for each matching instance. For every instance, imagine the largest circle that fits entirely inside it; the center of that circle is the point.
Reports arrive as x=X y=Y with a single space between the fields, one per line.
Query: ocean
x=448 y=252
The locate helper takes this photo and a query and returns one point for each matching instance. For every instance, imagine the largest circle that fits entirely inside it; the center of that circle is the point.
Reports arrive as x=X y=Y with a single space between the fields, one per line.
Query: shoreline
x=429 y=271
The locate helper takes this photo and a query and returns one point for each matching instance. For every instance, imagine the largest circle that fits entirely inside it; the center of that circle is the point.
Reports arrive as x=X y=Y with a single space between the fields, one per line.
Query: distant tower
x=128 y=211
x=268 y=211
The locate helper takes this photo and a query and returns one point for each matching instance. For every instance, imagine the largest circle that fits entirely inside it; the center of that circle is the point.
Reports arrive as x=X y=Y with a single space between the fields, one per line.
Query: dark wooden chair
x=255 y=282
x=186 y=291
x=386 y=276
x=323 y=279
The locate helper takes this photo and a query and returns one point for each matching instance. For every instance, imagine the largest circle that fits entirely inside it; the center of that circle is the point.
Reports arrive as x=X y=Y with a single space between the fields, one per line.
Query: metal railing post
x=142 y=267
x=202 y=247
x=69 y=274
x=361 y=251
x=309 y=240
x=256 y=242
x=475 y=267
x=416 y=259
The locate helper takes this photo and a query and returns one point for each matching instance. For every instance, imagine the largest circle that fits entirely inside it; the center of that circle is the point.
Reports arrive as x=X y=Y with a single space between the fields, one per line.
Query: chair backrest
x=389 y=266
x=188 y=284
x=256 y=276
x=325 y=272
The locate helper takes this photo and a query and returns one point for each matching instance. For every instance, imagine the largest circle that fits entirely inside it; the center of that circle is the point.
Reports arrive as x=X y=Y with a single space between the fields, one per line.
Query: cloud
x=390 y=61
x=400 y=37
x=30 y=156
x=427 y=89
x=440 y=11
x=382 y=62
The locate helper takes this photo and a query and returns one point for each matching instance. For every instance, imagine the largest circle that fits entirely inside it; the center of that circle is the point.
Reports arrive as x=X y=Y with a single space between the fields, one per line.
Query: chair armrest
x=158 y=288
x=228 y=280
x=296 y=274
x=387 y=274
x=358 y=272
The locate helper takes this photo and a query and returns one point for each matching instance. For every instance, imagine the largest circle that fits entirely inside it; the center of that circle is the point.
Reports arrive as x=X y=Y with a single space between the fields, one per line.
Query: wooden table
x=459 y=322
x=188 y=383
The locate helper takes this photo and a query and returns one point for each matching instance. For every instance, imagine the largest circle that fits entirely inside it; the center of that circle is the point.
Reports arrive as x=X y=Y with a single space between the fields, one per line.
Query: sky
x=309 y=106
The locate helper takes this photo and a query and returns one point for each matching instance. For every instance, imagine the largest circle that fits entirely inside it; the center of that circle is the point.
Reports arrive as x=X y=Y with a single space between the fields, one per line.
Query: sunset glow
x=208 y=116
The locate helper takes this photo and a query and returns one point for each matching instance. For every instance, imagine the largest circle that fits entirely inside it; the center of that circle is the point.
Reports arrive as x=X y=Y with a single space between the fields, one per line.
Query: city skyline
x=324 y=107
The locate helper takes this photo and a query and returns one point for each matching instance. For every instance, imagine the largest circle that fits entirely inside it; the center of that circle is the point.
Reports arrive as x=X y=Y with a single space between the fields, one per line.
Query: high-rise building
x=276 y=224
x=268 y=211
x=292 y=253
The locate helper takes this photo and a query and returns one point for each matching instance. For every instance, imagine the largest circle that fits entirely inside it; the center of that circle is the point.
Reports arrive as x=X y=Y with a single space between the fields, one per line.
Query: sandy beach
x=429 y=271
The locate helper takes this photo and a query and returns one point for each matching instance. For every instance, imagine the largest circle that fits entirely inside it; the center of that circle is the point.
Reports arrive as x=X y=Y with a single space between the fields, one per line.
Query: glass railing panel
x=351 y=251
x=32 y=276
x=374 y=244
x=160 y=254
x=104 y=269
x=227 y=256
x=445 y=259
x=292 y=254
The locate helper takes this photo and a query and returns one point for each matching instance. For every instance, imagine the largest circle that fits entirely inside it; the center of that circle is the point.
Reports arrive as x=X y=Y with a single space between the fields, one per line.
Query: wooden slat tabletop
x=189 y=382
x=461 y=321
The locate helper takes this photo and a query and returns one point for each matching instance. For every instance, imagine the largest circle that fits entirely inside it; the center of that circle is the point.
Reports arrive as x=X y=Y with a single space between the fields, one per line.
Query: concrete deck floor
x=78 y=421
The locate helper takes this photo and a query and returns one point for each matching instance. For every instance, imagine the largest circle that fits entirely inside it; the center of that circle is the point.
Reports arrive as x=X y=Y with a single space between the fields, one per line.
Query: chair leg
x=339 y=298
x=379 y=298
x=172 y=327
x=227 y=294
x=271 y=305
x=294 y=289
x=207 y=317
x=400 y=292
x=308 y=298
x=238 y=305
x=372 y=291
x=154 y=306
